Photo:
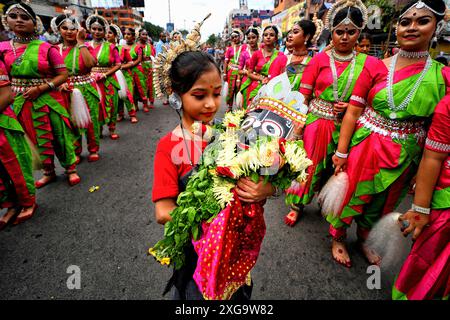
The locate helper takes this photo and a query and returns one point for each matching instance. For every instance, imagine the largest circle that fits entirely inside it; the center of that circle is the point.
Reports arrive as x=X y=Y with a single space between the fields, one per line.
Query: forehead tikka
x=18 y=6
x=422 y=5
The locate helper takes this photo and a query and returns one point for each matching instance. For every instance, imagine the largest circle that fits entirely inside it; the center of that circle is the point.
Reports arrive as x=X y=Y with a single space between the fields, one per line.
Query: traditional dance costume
x=426 y=272
x=387 y=144
x=46 y=120
x=124 y=53
x=80 y=78
x=270 y=66
x=16 y=170
x=148 y=51
x=327 y=81
x=107 y=58
x=139 y=75
x=232 y=57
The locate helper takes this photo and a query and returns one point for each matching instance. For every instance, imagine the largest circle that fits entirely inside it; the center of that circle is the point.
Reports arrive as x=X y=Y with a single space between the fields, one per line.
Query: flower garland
x=210 y=190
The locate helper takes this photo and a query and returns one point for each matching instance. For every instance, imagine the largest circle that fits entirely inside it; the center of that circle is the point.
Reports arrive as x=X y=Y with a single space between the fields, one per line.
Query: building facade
x=123 y=17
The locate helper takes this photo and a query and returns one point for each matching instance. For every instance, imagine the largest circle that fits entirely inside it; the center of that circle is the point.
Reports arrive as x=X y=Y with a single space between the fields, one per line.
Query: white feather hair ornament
x=333 y=193
x=79 y=110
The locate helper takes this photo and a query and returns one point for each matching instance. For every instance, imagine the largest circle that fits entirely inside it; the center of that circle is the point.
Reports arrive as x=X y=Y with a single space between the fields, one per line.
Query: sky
x=185 y=13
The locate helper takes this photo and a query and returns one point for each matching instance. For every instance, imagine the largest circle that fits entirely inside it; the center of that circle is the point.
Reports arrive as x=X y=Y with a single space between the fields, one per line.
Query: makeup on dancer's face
x=270 y=37
x=416 y=29
x=345 y=37
x=19 y=21
x=98 y=32
x=297 y=36
x=110 y=36
x=252 y=39
x=69 y=33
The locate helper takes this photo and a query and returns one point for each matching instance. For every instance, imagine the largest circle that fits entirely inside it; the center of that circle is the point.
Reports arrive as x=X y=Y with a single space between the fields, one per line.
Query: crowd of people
x=383 y=122
x=54 y=92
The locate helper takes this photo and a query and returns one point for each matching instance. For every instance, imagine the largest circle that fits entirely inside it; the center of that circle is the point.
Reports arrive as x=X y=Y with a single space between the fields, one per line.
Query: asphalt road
x=107 y=234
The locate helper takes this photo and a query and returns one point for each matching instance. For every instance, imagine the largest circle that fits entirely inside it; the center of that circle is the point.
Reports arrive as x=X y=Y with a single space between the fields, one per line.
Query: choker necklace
x=340 y=58
x=413 y=54
x=24 y=39
x=300 y=54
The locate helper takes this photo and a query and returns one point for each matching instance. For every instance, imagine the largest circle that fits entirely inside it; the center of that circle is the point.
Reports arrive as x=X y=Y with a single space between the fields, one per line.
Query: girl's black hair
x=131 y=30
x=113 y=30
x=252 y=30
x=366 y=36
x=355 y=15
x=274 y=29
x=188 y=67
x=436 y=5
x=100 y=21
x=27 y=7
x=309 y=29
x=62 y=17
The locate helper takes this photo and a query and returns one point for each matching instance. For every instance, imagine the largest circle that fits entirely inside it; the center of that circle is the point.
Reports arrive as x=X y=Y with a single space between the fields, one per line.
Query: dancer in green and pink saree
x=144 y=71
x=265 y=64
x=327 y=83
x=231 y=66
x=127 y=68
x=82 y=88
x=37 y=69
x=17 y=191
x=383 y=132
x=426 y=272
x=104 y=72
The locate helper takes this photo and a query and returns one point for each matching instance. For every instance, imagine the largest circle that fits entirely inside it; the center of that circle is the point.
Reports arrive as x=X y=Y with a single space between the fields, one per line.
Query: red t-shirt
x=172 y=162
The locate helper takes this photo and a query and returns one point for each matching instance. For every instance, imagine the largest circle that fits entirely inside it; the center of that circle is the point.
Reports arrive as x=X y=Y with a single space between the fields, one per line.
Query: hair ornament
x=163 y=62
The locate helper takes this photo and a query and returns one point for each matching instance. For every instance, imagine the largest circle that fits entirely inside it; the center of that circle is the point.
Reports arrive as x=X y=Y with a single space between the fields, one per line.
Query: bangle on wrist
x=82 y=46
x=51 y=85
x=341 y=155
x=421 y=210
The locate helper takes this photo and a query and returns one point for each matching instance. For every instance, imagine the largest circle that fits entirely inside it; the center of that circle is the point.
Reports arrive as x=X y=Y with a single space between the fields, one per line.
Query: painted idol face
x=263 y=123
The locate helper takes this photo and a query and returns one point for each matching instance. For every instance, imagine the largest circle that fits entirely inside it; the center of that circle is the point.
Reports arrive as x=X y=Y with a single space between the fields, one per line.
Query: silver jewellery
x=346 y=4
x=341 y=155
x=340 y=58
x=413 y=54
x=422 y=5
x=175 y=101
x=51 y=85
x=336 y=79
x=421 y=210
x=390 y=87
x=23 y=40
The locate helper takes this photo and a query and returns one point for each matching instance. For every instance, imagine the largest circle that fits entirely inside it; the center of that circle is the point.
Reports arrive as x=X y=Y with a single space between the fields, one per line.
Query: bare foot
x=45 y=180
x=340 y=254
x=292 y=218
x=7 y=217
x=371 y=256
x=25 y=214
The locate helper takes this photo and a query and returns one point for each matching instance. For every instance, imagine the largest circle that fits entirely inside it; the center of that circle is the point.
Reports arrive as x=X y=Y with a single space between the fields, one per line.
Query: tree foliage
x=153 y=30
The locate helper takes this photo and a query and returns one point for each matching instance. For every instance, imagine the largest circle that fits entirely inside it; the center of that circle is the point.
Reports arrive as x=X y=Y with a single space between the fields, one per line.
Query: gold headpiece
x=95 y=19
x=346 y=4
x=164 y=60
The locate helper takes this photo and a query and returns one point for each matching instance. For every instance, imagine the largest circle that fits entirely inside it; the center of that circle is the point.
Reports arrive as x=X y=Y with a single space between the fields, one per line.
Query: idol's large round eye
x=272 y=128
x=247 y=123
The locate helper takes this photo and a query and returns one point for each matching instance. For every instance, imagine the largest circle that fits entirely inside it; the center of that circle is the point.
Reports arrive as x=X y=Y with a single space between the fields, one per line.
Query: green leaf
x=191 y=215
x=255 y=177
x=195 y=232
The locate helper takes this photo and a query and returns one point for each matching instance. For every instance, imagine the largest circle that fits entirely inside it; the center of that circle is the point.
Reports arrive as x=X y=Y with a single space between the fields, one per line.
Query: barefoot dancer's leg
x=293 y=216
x=338 y=248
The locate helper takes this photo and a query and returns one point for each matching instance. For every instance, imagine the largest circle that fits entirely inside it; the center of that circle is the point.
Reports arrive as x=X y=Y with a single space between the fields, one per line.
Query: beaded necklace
x=390 y=87
x=336 y=78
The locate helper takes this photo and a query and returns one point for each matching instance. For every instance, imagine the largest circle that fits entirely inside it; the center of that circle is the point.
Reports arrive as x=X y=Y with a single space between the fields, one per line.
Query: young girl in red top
x=196 y=85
